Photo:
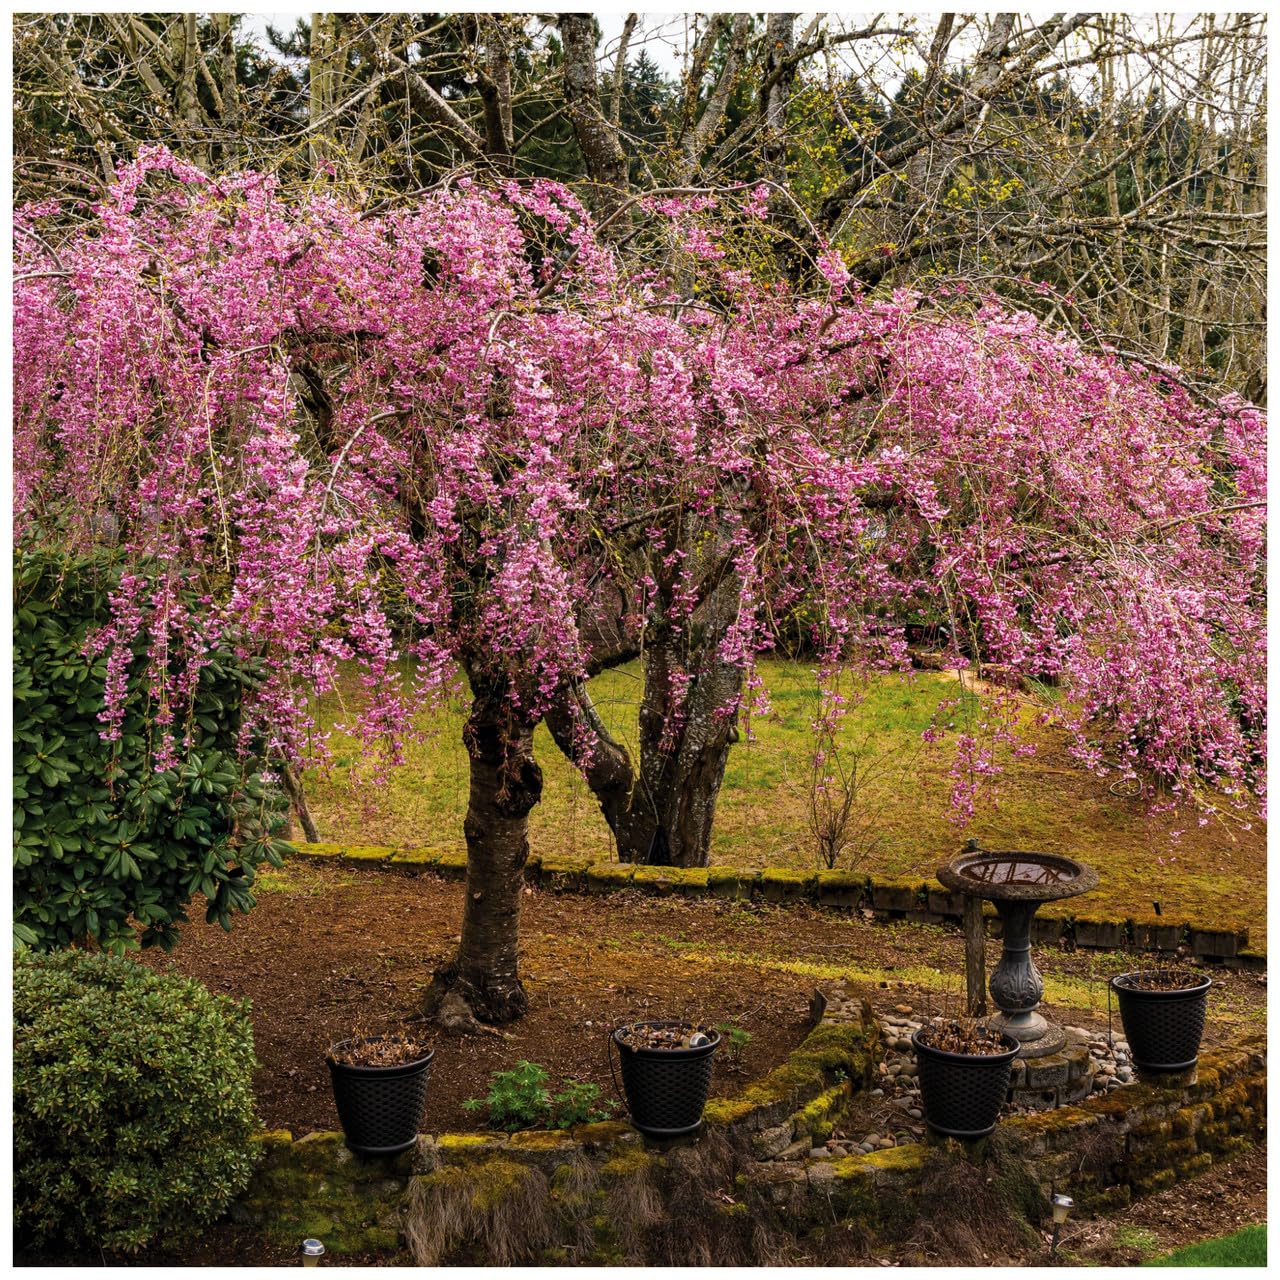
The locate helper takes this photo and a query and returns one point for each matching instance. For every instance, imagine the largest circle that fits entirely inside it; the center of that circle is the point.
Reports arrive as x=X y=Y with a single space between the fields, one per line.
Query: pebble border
x=898 y=1081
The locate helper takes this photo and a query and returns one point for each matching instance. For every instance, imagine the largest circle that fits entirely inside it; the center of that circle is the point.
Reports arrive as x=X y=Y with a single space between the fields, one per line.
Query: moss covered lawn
x=1213 y=875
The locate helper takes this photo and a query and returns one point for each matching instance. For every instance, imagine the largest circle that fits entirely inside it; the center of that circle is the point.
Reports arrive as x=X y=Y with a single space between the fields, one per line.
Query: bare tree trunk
x=778 y=75
x=230 y=94
x=673 y=808
x=292 y=784
x=324 y=35
x=495 y=92
x=606 y=764
x=662 y=812
x=778 y=72
x=975 y=958
x=188 y=103
x=697 y=138
x=605 y=160
x=481 y=984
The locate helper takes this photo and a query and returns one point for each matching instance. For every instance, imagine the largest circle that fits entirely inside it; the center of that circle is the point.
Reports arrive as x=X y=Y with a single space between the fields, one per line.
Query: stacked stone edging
x=1148 y=1135
x=767 y=1145
x=917 y=900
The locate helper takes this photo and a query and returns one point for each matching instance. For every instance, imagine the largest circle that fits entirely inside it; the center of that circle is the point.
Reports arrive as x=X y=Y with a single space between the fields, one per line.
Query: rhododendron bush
x=473 y=434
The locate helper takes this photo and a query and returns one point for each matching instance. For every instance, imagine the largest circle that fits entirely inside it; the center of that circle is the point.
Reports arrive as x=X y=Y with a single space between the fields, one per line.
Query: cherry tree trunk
x=661 y=810
x=684 y=747
x=482 y=982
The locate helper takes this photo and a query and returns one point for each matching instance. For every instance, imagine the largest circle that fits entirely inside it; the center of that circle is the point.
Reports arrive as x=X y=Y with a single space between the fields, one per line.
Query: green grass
x=298 y=879
x=1139 y=1238
x=1247 y=1248
x=1045 y=802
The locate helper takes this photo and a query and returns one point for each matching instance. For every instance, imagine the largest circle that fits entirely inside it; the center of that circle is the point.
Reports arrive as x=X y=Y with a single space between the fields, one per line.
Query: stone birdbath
x=1018 y=883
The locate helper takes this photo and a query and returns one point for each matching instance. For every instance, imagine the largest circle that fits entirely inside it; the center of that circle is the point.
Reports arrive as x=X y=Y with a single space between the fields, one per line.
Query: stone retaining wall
x=1147 y=1136
x=922 y=901
x=743 y=1191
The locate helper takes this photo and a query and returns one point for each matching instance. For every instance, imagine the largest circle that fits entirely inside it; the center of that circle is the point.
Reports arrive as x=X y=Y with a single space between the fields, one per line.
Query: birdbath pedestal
x=1018 y=883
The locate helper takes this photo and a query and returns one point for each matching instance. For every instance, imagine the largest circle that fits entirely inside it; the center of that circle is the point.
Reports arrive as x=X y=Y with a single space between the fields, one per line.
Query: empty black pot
x=666 y=1089
x=380 y=1108
x=963 y=1092
x=1163 y=1028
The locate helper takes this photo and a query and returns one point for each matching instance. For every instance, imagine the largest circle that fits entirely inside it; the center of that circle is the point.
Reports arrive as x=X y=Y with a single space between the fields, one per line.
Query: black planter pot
x=963 y=1092
x=665 y=1089
x=380 y=1108
x=1163 y=1028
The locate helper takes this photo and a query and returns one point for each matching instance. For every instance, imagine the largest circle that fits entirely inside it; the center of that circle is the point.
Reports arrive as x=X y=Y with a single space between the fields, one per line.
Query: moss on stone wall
x=608 y=877
x=818 y=1118
x=603 y=1133
x=844 y=1048
x=316 y=1187
x=840 y=889
x=599 y=1193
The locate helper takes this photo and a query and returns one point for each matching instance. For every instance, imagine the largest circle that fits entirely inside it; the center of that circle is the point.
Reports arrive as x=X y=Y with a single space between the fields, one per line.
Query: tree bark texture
x=661 y=812
x=975 y=958
x=481 y=984
x=292 y=784
x=605 y=160
x=672 y=811
x=495 y=92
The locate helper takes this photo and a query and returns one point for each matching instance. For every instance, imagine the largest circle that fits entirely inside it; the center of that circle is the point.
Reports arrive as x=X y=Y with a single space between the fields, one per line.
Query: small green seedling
x=736 y=1040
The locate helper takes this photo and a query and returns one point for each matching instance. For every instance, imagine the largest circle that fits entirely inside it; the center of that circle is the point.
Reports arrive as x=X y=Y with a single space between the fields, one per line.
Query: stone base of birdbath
x=1016 y=986
x=1033 y=1042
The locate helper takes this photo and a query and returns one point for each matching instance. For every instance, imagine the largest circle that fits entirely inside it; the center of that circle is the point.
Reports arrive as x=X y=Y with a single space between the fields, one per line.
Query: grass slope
x=1211 y=874
x=1247 y=1248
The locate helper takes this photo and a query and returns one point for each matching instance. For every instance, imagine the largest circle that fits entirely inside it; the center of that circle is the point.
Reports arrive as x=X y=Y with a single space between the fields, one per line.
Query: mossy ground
x=1043 y=802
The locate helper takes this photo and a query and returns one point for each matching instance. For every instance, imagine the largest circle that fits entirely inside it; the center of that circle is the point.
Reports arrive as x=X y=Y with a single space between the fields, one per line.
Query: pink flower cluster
x=408 y=436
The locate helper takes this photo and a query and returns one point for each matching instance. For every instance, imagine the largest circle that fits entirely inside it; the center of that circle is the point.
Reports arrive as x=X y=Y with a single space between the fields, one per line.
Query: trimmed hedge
x=132 y=1101
x=105 y=846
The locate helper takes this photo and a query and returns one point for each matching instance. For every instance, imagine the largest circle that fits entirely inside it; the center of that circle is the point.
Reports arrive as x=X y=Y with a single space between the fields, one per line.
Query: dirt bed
x=329 y=950
x=332 y=947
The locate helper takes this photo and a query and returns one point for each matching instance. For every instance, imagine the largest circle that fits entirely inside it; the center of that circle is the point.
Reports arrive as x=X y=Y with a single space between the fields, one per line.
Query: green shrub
x=132 y=1101
x=578 y=1102
x=95 y=859
x=517 y=1099
x=520 y=1099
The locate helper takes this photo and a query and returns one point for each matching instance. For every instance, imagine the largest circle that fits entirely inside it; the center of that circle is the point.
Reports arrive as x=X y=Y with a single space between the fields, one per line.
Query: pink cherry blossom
x=423 y=438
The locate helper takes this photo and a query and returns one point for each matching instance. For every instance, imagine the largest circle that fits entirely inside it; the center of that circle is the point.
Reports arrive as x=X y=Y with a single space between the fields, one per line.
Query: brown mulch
x=354 y=948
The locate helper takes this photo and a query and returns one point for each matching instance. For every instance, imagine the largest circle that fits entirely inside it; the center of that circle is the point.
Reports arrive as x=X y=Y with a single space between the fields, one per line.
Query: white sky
x=663 y=35
x=877 y=64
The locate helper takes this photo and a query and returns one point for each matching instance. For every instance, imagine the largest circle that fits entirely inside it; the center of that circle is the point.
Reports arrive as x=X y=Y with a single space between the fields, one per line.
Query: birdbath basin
x=1018 y=883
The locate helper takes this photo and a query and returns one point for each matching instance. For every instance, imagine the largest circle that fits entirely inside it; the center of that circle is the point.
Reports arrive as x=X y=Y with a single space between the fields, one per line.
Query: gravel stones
x=896 y=1098
x=1108 y=1068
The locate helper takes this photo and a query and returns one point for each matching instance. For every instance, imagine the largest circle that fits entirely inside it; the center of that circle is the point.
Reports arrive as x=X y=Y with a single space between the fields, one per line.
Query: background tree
x=1121 y=159
x=1062 y=151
